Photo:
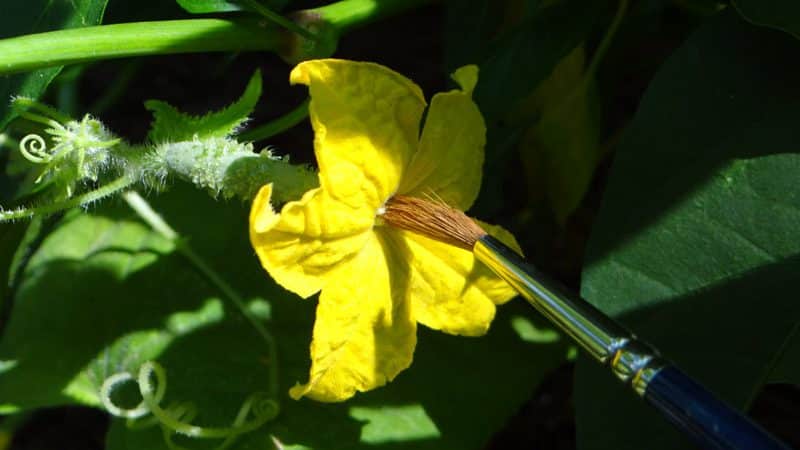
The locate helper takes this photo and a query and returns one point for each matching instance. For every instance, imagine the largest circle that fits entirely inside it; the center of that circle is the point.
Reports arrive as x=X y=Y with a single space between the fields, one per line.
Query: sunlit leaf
x=452 y=397
x=104 y=293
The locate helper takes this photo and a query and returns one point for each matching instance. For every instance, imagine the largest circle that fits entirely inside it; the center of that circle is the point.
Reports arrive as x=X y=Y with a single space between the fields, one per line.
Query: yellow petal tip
x=262 y=216
x=466 y=77
x=301 y=74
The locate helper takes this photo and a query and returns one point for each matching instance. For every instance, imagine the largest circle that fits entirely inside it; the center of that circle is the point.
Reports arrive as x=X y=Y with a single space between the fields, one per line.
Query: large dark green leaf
x=697 y=240
x=781 y=14
x=11 y=234
x=513 y=62
x=37 y=16
x=518 y=60
x=104 y=294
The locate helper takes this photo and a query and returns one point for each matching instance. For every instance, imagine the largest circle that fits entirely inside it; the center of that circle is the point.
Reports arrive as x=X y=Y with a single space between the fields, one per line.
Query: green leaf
x=170 y=125
x=562 y=149
x=215 y=6
x=36 y=16
x=11 y=234
x=64 y=312
x=456 y=394
x=697 y=238
x=104 y=293
x=524 y=56
x=512 y=65
x=783 y=15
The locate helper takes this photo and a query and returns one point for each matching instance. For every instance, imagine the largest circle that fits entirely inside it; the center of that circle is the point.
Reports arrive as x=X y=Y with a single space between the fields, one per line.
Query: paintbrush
x=688 y=405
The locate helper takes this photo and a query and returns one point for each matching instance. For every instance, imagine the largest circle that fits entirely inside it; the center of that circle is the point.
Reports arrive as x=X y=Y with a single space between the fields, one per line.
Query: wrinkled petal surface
x=364 y=334
x=366 y=123
x=448 y=164
x=303 y=245
x=448 y=288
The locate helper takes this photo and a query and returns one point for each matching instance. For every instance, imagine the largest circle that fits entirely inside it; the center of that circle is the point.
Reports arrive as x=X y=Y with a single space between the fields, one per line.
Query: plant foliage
x=665 y=134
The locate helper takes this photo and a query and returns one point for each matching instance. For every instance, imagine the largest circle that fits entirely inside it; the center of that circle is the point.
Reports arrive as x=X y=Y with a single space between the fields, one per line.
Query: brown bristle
x=434 y=220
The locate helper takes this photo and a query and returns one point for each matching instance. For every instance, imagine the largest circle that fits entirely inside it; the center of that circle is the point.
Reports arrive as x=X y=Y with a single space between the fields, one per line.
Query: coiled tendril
x=256 y=410
x=34 y=149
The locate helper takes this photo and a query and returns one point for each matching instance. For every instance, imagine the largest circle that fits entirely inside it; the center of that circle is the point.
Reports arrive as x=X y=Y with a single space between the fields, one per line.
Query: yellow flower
x=377 y=282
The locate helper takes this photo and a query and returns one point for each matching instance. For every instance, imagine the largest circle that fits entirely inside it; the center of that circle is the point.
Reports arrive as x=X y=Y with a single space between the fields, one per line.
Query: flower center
x=431 y=219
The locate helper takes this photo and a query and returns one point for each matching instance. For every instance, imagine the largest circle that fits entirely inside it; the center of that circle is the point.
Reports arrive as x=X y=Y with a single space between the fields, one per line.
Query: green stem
x=277 y=126
x=345 y=15
x=24 y=103
x=80 y=200
x=600 y=53
x=70 y=46
x=149 y=215
x=76 y=45
x=278 y=19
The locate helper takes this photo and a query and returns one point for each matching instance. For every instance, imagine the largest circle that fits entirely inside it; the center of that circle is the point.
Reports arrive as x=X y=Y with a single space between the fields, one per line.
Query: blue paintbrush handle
x=698 y=413
x=713 y=424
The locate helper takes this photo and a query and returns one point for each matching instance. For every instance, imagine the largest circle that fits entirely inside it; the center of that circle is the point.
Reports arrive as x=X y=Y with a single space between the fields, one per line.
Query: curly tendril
x=34 y=149
x=77 y=159
x=256 y=410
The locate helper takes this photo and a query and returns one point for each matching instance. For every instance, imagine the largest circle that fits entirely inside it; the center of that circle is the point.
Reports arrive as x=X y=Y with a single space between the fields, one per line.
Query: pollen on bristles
x=432 y=219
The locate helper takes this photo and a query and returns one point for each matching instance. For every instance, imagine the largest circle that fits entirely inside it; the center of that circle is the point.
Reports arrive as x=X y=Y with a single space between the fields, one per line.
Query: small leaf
x=171 y=125
x=783 y=15
x=23 y=17
x=697 y=238
x=512 y=65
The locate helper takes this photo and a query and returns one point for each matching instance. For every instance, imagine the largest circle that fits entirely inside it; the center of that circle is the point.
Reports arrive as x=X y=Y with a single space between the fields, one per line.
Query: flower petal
x=449 y=289
x=364 y=334
x=449 y=161
x=366 y=124
x=499 y=291
x=302 y=246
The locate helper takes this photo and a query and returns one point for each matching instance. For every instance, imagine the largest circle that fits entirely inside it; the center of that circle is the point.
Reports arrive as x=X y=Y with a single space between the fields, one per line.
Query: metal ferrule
x=632 y=361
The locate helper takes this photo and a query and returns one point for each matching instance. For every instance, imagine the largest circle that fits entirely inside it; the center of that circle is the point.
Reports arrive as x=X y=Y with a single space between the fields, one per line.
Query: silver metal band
x=632 y=361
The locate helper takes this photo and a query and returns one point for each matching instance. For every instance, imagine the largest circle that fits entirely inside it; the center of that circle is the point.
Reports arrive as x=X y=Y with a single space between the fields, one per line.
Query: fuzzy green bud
x=230 y=168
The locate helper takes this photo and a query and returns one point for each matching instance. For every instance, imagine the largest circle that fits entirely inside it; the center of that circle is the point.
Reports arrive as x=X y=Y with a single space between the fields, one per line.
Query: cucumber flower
x=377 y=281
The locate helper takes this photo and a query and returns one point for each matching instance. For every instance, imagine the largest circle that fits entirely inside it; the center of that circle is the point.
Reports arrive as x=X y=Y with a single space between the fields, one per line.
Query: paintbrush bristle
x=434 y=220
